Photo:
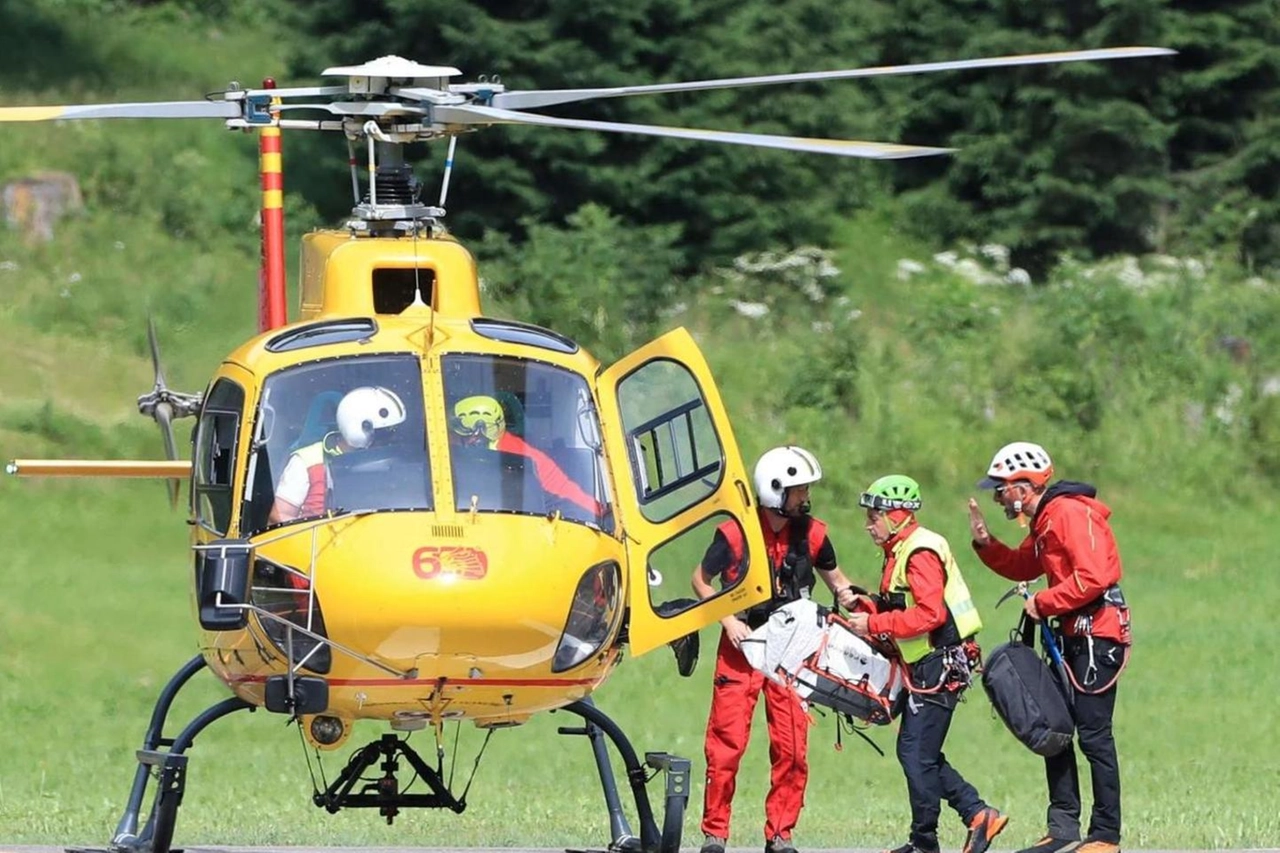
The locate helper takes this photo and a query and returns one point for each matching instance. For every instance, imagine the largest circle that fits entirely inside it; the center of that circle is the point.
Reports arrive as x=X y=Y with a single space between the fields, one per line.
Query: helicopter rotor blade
x=164 y=417
x=534 y=98
x=155 y=353
x=157 y=109
x=474 y=115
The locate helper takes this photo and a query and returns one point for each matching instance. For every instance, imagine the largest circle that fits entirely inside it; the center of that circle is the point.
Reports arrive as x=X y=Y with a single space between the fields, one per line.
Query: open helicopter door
x=679 y=477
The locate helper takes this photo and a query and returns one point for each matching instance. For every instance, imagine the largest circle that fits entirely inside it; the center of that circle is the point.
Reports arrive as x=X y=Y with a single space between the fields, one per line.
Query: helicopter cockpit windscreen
x=524 y=438
x=340 y=435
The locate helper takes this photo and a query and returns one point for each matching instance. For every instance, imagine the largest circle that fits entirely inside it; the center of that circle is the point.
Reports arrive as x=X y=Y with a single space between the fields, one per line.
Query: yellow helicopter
x=404 y=510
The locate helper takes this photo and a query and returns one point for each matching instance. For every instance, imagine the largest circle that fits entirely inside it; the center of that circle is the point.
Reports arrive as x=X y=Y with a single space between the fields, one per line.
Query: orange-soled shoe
x=985 y=826
x=1098 y=847
x=1049 y=844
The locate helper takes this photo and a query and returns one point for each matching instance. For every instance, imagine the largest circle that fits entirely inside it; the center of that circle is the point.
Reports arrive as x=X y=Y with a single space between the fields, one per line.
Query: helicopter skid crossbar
x=384 y=793
x=165 y=760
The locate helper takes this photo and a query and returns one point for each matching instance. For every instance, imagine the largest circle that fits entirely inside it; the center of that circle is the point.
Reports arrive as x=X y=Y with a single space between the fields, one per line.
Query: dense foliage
x=1170 y=154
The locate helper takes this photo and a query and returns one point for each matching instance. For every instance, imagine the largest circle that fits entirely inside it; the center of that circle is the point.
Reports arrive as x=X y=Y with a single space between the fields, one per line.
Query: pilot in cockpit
x=479 y=421
x=305 y=482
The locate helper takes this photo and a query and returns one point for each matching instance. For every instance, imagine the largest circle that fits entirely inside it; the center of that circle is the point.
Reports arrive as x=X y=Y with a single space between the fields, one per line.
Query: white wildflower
x=74 y=277
x=1018 y=276
x=946 y=259
x=1225 y=411
x=997 y=254
x=1130 y=273
x=908 y=268
x=822 y=327
x=753 y=310
x=119 y=244
x=8 y=266
x=973 y=271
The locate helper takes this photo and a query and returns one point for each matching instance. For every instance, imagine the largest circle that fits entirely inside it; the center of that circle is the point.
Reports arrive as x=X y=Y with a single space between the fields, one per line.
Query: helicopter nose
x=499 y=594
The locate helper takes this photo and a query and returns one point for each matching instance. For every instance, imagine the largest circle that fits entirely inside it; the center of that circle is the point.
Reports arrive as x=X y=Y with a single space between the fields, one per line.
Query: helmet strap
x=799 y=512
x=895 y=529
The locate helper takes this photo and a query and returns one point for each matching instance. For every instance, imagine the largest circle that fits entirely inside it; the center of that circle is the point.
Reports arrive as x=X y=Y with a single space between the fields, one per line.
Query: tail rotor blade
x=155 y=353
x=164 y=417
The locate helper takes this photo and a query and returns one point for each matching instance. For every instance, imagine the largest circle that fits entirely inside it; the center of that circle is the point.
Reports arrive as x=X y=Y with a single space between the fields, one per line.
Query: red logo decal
x=433 y=561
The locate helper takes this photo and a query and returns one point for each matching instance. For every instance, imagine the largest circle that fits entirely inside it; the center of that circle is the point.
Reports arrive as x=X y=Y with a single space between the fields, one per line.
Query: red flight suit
x=736 y=688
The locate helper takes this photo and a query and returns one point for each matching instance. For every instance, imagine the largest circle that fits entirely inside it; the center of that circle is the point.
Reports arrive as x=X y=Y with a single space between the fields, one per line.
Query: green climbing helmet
x=896 y=491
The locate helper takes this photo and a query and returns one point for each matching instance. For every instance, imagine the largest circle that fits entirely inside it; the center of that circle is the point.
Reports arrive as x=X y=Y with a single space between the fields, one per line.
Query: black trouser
x=922 y=730
x=1092 y=713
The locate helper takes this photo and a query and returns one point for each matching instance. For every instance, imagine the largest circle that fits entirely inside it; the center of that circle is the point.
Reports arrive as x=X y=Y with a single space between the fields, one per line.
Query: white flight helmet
x=364 y=411
x=781 y=468
x=1020 y=460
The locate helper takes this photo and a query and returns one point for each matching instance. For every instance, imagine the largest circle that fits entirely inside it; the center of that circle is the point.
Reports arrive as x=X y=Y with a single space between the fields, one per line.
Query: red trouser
x=736 y=687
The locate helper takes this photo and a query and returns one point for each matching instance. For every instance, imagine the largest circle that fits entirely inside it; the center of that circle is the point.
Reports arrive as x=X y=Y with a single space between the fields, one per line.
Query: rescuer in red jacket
x=1071 y=543
x=799 y=552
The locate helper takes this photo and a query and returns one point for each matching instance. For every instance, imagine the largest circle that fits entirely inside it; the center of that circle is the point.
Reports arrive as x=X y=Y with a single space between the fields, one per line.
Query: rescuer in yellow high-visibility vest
x=924 y=610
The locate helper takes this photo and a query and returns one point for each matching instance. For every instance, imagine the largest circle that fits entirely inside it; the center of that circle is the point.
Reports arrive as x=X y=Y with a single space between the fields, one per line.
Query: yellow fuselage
x=402 y=587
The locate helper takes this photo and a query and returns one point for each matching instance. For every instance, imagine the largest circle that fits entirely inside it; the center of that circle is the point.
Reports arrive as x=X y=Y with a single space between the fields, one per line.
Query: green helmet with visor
x=895 y=491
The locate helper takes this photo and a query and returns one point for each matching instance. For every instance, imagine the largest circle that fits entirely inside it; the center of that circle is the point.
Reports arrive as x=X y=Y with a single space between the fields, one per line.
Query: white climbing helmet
x=781 y=468
x=1020 y=460
x=364 y=411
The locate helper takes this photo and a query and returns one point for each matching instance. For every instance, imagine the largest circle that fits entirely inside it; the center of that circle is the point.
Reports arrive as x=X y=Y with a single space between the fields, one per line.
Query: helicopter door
x=679 y=478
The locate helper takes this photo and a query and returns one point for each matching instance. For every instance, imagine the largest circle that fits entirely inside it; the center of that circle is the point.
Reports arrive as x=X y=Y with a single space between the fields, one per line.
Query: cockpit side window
x=215 y=454
x=338 y=435
x=524 y=438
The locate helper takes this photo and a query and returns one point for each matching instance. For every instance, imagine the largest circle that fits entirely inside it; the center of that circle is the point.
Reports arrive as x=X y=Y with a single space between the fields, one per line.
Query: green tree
x=727 y=199
x=1224 y=103
x=1050 y=157
x=601 y=282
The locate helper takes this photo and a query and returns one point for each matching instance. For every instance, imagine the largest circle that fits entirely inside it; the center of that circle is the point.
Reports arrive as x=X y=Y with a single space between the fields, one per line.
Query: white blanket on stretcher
x=782 y=649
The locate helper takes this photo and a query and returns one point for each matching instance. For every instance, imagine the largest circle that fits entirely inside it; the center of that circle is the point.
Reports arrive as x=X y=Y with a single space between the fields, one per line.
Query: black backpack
x=1028 y=696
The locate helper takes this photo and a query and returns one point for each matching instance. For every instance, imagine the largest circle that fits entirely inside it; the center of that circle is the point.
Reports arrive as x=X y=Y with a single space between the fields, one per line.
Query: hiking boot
x=1098 y=847
x=911 y=848
x=713 y=845
x=986 y=825
x=1049 y=844
x=778 y=844
x=686 y=649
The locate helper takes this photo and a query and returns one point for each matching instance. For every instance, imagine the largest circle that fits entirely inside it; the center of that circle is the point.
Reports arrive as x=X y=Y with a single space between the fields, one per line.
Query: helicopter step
x=165 y=760
x=676 y=793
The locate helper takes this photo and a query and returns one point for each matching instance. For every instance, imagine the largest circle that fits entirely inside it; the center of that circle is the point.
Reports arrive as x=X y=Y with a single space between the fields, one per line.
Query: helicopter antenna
x=373 y=133
x=417 y=276
x=448 y=170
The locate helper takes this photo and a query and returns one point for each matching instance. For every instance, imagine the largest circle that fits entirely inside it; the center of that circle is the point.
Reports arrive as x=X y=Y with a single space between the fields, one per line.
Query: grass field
x=93 y=620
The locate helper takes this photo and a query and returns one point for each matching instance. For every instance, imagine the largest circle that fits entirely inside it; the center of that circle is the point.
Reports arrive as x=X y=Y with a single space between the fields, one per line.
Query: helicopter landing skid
x=164 y=759
x=384 y=793
x=676 y=793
